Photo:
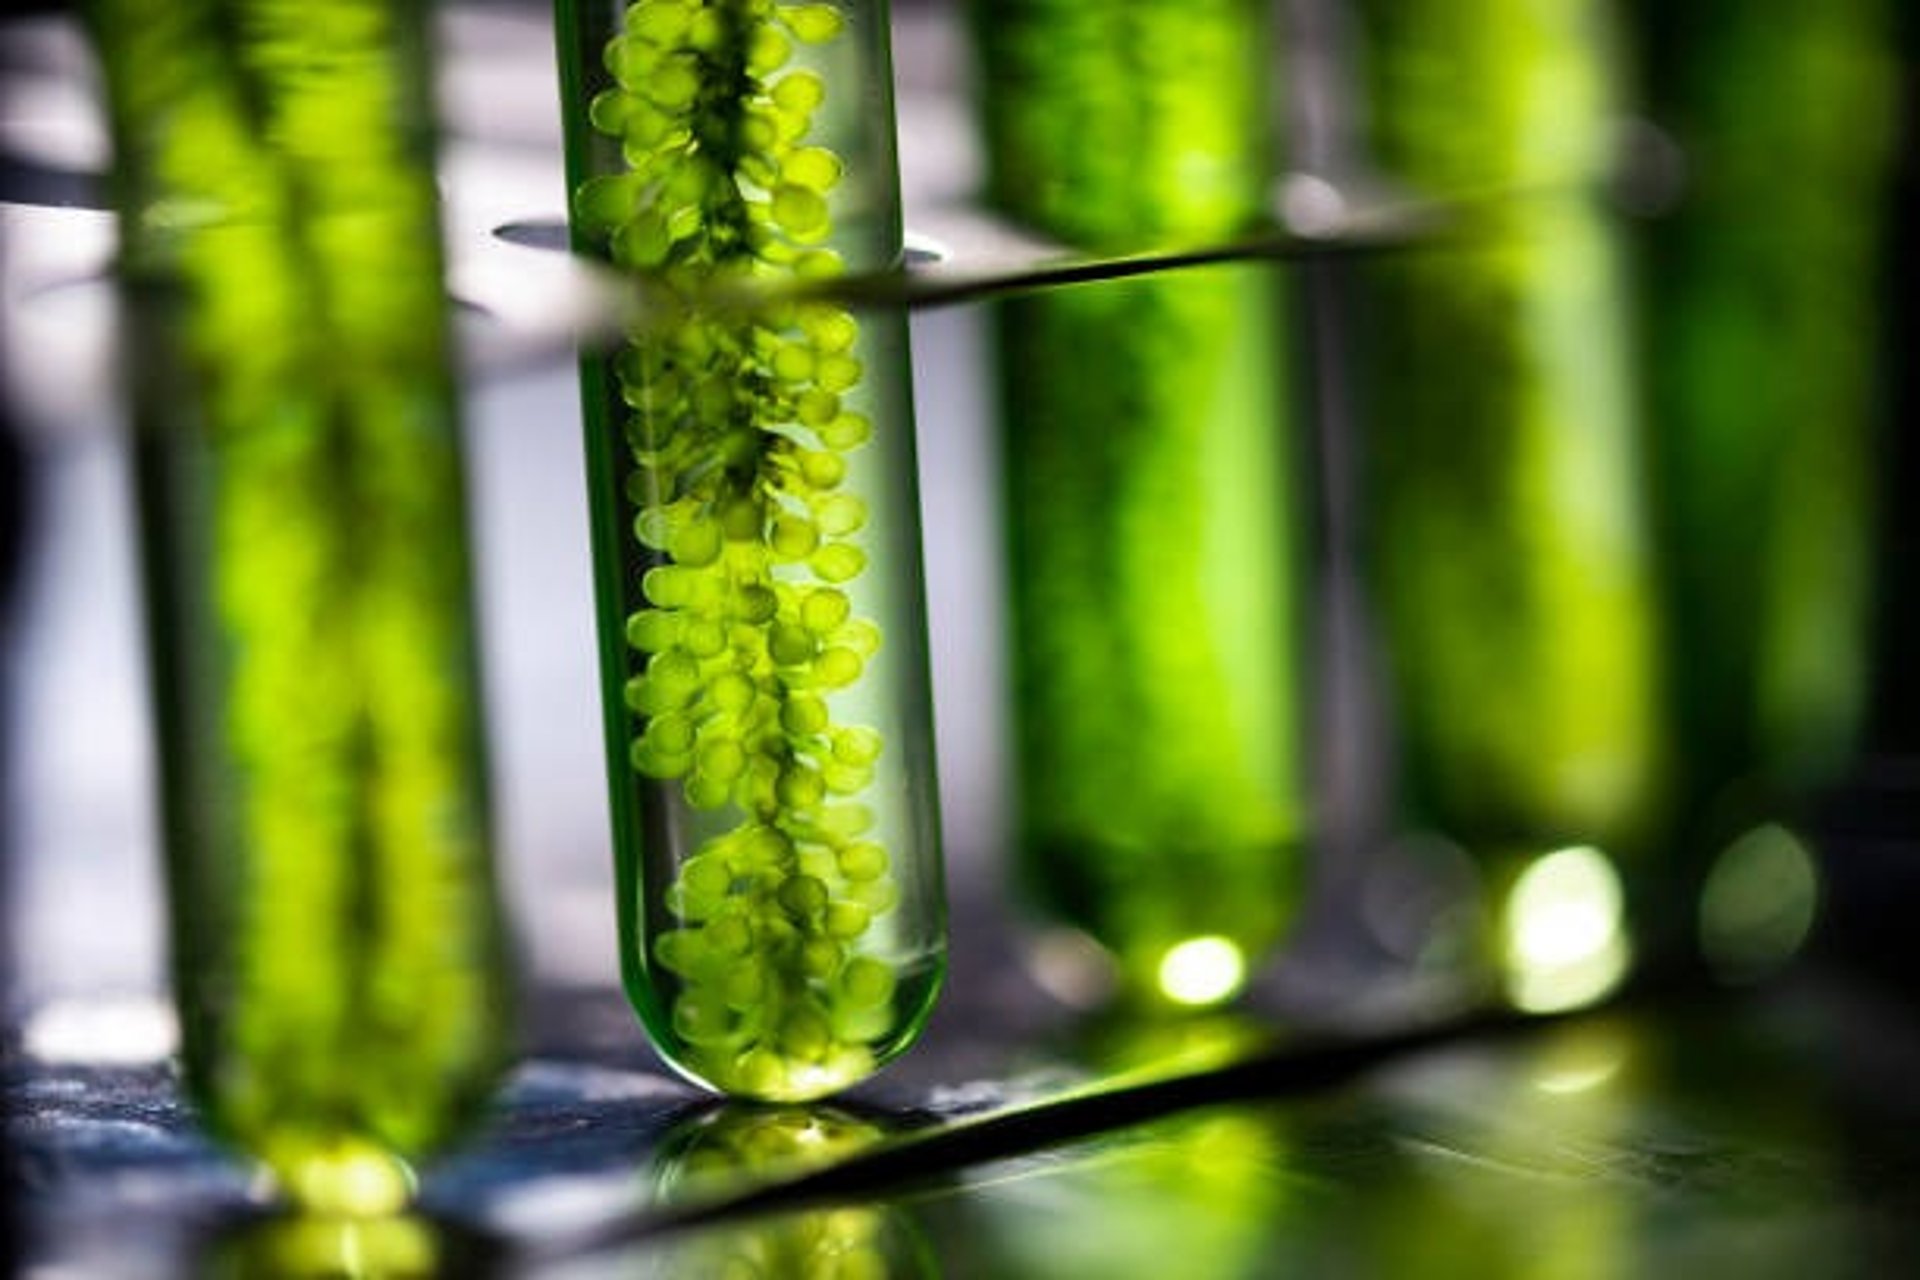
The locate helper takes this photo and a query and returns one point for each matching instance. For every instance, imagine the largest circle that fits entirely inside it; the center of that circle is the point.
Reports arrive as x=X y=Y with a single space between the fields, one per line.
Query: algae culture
x=338 y=952
x=1509 y=553
x=756 y=538
x=1152 y=492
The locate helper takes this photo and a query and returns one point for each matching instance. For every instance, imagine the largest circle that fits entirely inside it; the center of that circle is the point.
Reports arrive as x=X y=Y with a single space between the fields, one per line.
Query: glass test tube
x=1762 y=358
x=1154 y=525
x=756 y=537
x=339 y=957
x=1507 y=524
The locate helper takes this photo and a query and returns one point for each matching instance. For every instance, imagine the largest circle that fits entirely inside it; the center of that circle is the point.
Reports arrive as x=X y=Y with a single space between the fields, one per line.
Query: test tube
x=338 y=952
x=1507 y=523
x=756 y=539
x=1155 y=527
x=1769 y=258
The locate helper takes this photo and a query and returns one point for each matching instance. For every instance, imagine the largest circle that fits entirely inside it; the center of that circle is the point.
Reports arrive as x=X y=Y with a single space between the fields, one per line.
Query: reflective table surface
x=1771 y=1132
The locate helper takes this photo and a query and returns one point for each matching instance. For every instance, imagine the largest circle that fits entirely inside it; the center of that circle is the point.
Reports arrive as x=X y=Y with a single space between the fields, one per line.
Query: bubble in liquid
x=837 y=372
x=866 y=860
x=815 y=168
x=838 y=667
x=652 y=630
x=799 y=92
x=846 y=431
x=824 y=610
x=821 y=469
x=793 y=537
x=804 y=715
x=812 y=23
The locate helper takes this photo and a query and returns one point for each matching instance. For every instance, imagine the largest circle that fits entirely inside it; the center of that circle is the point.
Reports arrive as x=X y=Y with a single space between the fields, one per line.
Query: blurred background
x=1415 y=497
x=1597 y=364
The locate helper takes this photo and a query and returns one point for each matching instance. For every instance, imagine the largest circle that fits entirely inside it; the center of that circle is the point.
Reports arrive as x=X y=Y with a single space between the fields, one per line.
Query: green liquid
x=1153 y=523
x=1510 y=549
x=1762 y=365
x=337 y=946
x=773 y=942
x=1508 y=521
x=1161 y=789
x=1120 y=126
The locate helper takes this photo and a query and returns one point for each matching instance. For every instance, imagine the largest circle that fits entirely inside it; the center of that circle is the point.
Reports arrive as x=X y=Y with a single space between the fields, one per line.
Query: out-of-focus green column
x=1154 y=526
x=338 y=952
x=1507 y=539
x=1763 y=354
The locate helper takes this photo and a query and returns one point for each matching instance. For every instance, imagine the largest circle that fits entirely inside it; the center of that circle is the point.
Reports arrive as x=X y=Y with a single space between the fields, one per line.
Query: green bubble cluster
x=743 y=530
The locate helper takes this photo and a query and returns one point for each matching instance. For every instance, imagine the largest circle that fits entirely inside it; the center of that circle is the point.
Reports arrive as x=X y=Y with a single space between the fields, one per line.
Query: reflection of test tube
x=297 y=1247
x=1506 y=522
x=1542 y=1125
x=729 y=1149
x=1204 y=1194
x=1153 y=524
x=338 y=954
x=756 y=536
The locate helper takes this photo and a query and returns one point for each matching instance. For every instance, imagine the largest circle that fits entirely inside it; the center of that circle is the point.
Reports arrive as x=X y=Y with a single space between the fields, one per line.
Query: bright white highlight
x=119 y=1031
x=1202 y=971
x=1566 y=941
